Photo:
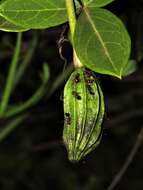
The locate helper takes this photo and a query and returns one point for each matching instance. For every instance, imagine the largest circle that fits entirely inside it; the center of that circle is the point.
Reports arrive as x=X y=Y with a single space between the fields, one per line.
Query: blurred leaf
x=96 y=3
x=130 y=68
x=101 y=42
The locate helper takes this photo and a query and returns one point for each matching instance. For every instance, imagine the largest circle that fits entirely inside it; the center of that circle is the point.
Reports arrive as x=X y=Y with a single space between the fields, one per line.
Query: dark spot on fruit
x=67 y=114
x=90 y=81
x=77 y=78
x=92 y=93
x=67 y=119
x=76 y=95
x=88 y=73
x=90 y=90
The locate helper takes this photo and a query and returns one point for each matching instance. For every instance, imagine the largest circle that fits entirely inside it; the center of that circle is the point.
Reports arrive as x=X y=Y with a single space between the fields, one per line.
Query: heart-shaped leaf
x=101 y=41
x=34 y=13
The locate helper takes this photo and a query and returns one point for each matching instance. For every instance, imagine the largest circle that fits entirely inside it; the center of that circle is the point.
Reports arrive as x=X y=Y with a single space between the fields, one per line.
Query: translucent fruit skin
x=83 y=113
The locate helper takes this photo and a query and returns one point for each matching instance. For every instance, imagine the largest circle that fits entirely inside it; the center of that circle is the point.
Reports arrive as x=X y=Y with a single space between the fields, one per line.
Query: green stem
x=11 y=76
x=29 y=103
x=71 y=15
x=11 y=126
x=26 y=61
x=72 y=24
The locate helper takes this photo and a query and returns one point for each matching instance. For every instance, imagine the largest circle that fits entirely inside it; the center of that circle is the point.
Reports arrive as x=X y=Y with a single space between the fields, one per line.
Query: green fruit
x=83 y=113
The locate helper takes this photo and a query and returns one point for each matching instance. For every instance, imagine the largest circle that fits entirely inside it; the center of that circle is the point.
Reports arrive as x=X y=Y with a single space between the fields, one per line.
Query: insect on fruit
x=76 y=95
x=77 y=78
x=67 y=119
x=83 y=133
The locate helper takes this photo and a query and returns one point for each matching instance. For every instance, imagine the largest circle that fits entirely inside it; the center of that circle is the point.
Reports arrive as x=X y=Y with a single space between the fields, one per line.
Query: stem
x=11 y=126
x=26 y=61
x=72 y=24
x=29 y=103
x=11 y=76
x=71 y=15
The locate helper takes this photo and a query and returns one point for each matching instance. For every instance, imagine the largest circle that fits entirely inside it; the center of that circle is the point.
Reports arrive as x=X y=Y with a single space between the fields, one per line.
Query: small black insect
x=77 y=78
x=90 y=90
x=88 y=73
x=90 y=81
x=76 y=95
x=67 y=119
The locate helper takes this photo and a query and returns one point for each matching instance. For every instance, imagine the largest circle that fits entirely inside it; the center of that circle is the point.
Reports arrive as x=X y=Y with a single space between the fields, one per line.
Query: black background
x=32 y=157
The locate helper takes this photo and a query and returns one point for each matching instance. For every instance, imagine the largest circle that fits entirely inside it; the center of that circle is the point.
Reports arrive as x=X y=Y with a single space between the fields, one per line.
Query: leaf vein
x=100 y=38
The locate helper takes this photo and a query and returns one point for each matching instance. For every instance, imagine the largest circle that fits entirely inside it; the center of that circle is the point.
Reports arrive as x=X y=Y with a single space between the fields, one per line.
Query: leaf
x=34 y=13
x=101 y=42
x=96 y=3
x=130 y=68
x=10 y=27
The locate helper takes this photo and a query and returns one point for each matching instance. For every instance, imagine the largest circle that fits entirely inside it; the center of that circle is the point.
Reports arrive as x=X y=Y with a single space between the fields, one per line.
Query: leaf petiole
x=72 y=23
x=71 y=15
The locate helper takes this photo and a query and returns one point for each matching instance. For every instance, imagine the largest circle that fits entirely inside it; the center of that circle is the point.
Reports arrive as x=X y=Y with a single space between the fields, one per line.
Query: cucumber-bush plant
x=100 y=44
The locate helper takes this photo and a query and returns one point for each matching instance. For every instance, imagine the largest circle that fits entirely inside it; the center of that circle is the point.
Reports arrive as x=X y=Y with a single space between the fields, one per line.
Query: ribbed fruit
x=83 y=113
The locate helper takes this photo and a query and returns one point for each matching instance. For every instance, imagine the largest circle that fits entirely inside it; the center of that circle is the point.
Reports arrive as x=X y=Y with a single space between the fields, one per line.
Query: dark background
x=32 y=157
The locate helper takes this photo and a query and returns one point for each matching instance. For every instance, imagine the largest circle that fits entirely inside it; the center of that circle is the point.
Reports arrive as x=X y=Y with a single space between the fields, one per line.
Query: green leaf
x=10 y=27
x=101 y=42
x=96 y=3
x=34 y=13
x=130 y=68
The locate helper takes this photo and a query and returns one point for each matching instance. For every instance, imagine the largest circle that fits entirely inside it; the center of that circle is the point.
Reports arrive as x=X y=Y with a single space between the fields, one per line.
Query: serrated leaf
x=96 y=3
x=130 y=68
x=10 y=27
x=34 y=13
x=101 y=42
